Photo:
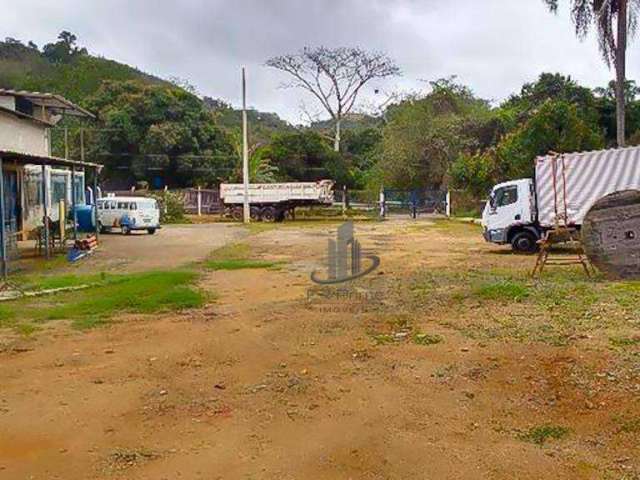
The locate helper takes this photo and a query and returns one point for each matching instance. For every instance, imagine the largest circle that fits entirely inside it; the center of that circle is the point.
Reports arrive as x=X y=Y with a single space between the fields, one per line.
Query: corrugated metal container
x=320 y=192
x=569 y=184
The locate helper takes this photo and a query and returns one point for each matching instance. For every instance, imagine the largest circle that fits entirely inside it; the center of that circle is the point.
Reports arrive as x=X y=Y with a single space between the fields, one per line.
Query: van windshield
x=150 y=205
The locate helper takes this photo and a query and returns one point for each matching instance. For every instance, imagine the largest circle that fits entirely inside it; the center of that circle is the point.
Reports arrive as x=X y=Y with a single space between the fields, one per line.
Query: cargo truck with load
x=564 y=190
x=270 y=202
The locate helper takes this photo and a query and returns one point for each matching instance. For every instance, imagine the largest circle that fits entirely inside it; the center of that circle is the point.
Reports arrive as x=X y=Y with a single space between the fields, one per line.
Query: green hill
x=61 y=68
x=64 y=68
x=353 y=121
x=262 y=125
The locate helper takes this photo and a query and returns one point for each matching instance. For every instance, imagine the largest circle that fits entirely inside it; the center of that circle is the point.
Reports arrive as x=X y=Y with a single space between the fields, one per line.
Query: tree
x=553 y=86
x=64 y=50
x=335 y=77
x=156 y=130
x=555 y=126
x=612 y=41
x=606 y=105
x=425 y=134
x=305 y=155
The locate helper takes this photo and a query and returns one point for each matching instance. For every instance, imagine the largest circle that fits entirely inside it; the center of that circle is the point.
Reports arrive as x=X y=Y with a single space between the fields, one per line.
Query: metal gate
x=209 y=201
x=423 y=201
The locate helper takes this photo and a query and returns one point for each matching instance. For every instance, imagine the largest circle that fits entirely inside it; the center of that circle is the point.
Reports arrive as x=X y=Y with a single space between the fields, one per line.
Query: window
x=33 y=188
x=100 y=204
x=79 y=188
x=123 y=205
x=132 y=206
x=506 y=196
x=58 y=188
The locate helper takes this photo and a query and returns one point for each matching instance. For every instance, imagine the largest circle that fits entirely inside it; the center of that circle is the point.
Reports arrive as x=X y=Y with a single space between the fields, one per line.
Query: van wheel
x=101 y=228
x=524 y=242
x=151 y=231
x=126 y=230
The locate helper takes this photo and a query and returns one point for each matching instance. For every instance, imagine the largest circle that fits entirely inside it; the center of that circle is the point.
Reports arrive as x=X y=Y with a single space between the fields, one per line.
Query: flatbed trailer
x=271 y=202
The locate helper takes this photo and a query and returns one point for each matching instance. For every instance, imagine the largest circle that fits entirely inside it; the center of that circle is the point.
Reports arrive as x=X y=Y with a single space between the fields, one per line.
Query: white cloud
x=492 y=45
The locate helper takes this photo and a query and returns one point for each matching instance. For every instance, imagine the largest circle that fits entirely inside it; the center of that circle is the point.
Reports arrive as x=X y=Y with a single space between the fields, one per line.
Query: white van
x=128 y=214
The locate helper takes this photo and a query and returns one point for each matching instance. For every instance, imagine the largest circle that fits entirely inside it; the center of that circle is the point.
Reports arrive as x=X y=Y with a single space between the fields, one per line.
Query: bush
x=171 y=205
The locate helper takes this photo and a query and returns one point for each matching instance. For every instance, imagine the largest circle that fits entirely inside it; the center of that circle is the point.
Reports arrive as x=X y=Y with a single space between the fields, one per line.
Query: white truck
x=565 y=188
x=271 y=202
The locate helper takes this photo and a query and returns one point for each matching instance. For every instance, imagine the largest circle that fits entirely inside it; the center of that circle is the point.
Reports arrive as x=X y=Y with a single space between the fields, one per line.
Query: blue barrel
x=85 y=218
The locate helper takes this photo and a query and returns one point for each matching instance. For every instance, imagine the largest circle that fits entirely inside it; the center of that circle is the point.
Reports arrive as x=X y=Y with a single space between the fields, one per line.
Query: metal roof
x=18 y=114
x=27 y=158
x=49 y=100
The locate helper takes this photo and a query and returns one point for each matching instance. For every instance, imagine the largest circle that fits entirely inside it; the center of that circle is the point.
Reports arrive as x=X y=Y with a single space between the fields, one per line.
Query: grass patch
x=240 y=264
x=543 y=433
x=504 y=290
x=624 y=342
x=456 y=227
x=7 y=316
x=231 y=251
x=426 y=339
x=630 y=426
x=26 y=329
x=382 y=339
x=148 y=292
x=50 y=282
x=236 y=257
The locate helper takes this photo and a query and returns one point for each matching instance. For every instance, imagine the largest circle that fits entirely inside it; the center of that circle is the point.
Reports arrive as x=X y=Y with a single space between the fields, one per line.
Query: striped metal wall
x=580 y=179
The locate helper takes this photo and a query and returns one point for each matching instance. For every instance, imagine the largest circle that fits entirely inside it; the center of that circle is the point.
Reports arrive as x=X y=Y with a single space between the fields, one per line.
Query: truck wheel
x=280 y=214
x=254 y=214
x=268 y=214
x=524 y=242
x=151 y=231
x=237 y=214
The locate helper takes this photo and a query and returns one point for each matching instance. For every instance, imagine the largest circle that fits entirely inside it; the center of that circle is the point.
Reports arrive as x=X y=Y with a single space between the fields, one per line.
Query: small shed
x=12 y=192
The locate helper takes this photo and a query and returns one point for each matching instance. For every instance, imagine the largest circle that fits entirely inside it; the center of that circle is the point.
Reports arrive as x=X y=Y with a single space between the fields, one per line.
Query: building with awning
x=33 y=183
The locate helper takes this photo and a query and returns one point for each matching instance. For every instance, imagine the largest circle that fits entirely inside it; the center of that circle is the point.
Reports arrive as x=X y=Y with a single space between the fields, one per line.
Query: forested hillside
x=61 y=67
x=160 y=132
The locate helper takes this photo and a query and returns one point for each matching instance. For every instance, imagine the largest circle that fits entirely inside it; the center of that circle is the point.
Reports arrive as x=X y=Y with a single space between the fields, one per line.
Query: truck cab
x=509 y=216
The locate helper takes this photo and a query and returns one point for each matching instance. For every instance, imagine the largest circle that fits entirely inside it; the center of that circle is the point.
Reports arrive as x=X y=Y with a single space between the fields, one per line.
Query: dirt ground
x=279 y=379
x=170 y=247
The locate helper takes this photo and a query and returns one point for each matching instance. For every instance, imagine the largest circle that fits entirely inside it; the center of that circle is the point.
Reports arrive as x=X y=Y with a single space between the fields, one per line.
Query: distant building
x=26 y=120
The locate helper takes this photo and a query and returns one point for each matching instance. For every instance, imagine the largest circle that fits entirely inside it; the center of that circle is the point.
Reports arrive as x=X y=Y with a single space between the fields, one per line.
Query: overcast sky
x=494 y=46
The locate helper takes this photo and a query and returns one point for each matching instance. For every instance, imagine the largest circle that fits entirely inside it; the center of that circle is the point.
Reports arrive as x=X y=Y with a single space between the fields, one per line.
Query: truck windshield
x=504 y=196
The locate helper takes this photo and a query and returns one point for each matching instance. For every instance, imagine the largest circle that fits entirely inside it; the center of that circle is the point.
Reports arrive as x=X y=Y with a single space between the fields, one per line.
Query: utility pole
x=245 y=151
x=66 y=143
x=82 y=144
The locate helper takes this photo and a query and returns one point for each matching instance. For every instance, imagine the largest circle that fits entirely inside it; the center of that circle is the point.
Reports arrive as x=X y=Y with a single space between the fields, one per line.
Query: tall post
x=3 y=233
x=66 y=142
x=382 y=203
x=95 y=203
x=82 y=144
x=45 y=210
x=344 y=201
x=73 y=202
x=448 y=204
x=245 y=151
x=199 y=199
x=620 y=63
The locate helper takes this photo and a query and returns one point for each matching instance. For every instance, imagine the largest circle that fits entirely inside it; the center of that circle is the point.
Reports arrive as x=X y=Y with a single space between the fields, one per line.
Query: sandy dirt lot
x=172 y=246
x=279 y=379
